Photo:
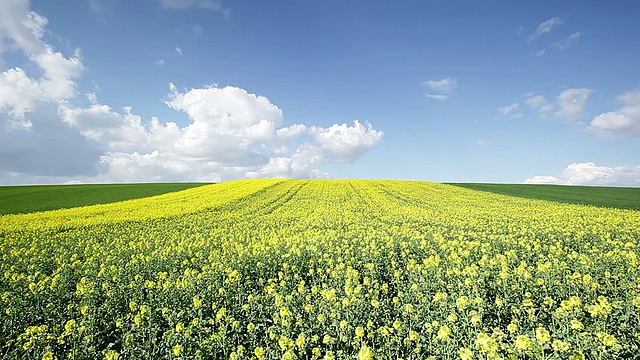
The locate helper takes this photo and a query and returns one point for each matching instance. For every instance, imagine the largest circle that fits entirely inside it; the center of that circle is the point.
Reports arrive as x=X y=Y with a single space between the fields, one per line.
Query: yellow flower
x=288 y=355
x=301 y=341
x=465 y=354
x=576 y=324
x=197 y=302
x=559 y=345
x=414 y=335
x=444 y=333
x=542 y=335
x=111 y=355
x=485 y=344
x=359 y=332
x=365 y=353
x=523 y=342
x=512 y=328
x=607 y=339
x=177 y=350
x=285 y=343
x=259 y=352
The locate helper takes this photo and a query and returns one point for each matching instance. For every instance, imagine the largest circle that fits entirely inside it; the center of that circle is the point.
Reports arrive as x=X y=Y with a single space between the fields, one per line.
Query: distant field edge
x=613 y=197
x=24 y=199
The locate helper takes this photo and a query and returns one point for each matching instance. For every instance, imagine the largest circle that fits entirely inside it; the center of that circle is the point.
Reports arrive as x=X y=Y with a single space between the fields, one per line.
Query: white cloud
x=624 y=122
x=545 y=27
x=542 y=179
x=444 y=87
x=539 y=103
x=571 y=104
x=589 y=173
x=566 y=43
x=22 y=29
x=45 y=137
x=232 y=134
x=437 y=96
x=214 y=5
x=35 y=144
x=179 y=51
x=160 y=62
x=511 y=110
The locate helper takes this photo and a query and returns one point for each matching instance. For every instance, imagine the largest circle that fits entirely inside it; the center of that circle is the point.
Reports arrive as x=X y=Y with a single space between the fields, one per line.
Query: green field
x=615 y=197
x=321 y=269
x=26 y=199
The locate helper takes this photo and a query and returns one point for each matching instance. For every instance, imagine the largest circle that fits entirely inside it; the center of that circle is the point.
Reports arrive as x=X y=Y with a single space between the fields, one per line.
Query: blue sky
x=206 y=90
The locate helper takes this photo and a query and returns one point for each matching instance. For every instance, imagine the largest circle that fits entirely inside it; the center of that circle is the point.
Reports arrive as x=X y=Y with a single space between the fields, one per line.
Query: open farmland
x=274 y=269
x=26 y=199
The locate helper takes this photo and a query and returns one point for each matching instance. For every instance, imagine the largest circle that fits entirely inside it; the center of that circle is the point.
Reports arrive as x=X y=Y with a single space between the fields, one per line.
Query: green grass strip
x=613 y=197
x=27 y=199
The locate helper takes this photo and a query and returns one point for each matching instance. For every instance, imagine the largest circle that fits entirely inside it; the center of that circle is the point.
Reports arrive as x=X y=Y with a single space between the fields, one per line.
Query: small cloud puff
x=443 y=87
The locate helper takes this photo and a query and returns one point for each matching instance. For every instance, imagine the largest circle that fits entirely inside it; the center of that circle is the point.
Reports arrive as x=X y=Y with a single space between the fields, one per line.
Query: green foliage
x=614 y=197
x=26 y=199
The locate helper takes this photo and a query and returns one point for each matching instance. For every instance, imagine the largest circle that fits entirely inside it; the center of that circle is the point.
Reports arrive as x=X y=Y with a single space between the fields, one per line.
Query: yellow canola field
x=321 y=269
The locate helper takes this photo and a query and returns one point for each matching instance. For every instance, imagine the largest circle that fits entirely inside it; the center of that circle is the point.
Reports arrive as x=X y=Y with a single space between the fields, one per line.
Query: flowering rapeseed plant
x=284 y=269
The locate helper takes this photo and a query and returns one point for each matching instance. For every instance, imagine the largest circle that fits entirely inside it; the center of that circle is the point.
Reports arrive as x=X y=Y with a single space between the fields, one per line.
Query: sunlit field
x=321 y=269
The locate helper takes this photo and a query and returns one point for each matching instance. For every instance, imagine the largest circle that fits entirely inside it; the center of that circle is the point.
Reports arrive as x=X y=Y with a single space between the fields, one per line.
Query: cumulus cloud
x=231 y=133
x=22 y=30
x=588 y=173
x=34 y=141
x=443 y=87
x=571 y=104
x=544 y=179
x=624 y=122
x=545 y=27
x=569 y=107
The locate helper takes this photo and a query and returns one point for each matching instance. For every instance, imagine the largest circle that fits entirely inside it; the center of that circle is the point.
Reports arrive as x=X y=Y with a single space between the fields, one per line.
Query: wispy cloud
x=179 y=51
x=213 y=5
x=511 y=110
x=566 y=43
x=443 y=87
x=545 y=27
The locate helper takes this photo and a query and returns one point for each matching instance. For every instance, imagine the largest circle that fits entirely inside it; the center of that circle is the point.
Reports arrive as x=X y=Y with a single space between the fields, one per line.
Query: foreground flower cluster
x=284 y=269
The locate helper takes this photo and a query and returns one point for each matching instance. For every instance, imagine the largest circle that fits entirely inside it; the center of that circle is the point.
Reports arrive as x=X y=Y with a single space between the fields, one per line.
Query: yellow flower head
x=523 y=343
x=365 y=353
